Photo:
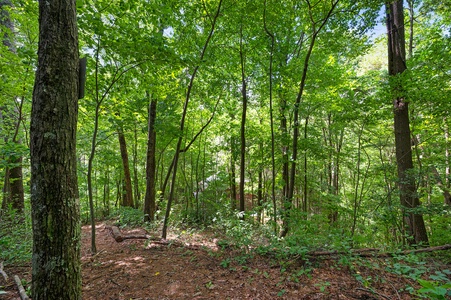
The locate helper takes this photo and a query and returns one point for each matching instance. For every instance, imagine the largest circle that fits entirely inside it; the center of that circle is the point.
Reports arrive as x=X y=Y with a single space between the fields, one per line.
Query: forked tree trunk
x=413 y=221
x=55 y=207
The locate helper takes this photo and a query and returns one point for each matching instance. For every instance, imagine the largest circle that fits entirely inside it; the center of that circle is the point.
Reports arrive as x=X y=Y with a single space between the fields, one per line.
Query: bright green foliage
x=15 y=237
x=434 y=290
x=345 y=163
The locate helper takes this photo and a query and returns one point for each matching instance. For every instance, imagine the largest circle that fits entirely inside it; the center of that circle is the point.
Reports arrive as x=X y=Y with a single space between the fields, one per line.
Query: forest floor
x=193 y=267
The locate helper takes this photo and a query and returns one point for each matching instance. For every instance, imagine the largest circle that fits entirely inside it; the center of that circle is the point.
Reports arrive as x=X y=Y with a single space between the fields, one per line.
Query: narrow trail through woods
x=139 y=269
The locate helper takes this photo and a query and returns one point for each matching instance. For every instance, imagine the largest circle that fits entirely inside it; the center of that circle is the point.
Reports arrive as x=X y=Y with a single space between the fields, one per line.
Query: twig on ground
x=98 y=252
x=115 y=282
x=373 y=292
x=22 y=293
x=396 y=291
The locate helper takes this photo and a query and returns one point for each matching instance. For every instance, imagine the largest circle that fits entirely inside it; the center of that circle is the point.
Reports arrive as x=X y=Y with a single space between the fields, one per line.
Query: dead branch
x=3 y=272
x=23 y=294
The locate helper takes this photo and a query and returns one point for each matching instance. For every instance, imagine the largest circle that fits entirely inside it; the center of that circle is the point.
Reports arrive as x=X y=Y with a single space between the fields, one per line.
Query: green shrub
x=16 y=236
x=128 y=216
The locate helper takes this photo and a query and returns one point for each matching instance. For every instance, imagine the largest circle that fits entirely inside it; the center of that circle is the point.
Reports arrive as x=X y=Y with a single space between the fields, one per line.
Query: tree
x=127 y=199
x=243 y=120
x=54 y=190
x=414 y=222
x=13 y=191
x=316 y=27
x=149 y=201
x=182 y=120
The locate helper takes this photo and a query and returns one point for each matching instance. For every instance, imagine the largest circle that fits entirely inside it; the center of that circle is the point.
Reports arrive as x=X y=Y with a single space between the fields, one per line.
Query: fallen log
x=22 y=293
x=119 y=237
x=116 y=234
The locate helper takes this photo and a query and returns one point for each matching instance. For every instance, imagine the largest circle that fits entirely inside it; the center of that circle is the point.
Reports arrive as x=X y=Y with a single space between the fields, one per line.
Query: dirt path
x=137 y=269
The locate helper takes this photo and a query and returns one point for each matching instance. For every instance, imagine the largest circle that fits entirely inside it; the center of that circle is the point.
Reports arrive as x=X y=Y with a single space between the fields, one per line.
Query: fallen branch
x=23 y=294
x=3 y=272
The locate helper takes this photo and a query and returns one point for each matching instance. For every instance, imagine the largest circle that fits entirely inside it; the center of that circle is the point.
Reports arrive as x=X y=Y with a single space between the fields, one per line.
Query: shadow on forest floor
x=194 y=268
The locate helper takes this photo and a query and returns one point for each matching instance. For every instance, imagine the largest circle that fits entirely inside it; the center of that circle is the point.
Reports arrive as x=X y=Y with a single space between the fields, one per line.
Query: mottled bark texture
x=127 y=197
x=414 y=223
x=54 y=191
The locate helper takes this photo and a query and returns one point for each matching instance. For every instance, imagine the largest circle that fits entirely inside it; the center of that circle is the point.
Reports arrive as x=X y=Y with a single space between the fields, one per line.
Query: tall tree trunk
x=292 y=176
x=128 y=196
x=414 y=222
x=149 y=201
x=260 y=183
x=305 y=200
x=13 y=192
x=182 y=122
x=92 y=154
x=5 y=20
x=447 y=160
x=106 y=192
x=243 y=123
x=136 y=192
x=54 y=190
x=271 y=117
x=233 y=196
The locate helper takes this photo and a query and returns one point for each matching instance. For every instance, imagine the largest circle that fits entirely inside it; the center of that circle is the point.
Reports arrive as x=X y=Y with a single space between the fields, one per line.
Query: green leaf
x=427 y=284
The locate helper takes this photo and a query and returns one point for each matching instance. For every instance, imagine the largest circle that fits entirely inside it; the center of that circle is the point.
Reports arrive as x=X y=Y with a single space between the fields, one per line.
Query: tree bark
x=136 y=191
x=233 y=196
x=243 y=124
x=447 y=155
x=54 y=190
x=414 y=222
x=149 y=201
x=128 y=196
